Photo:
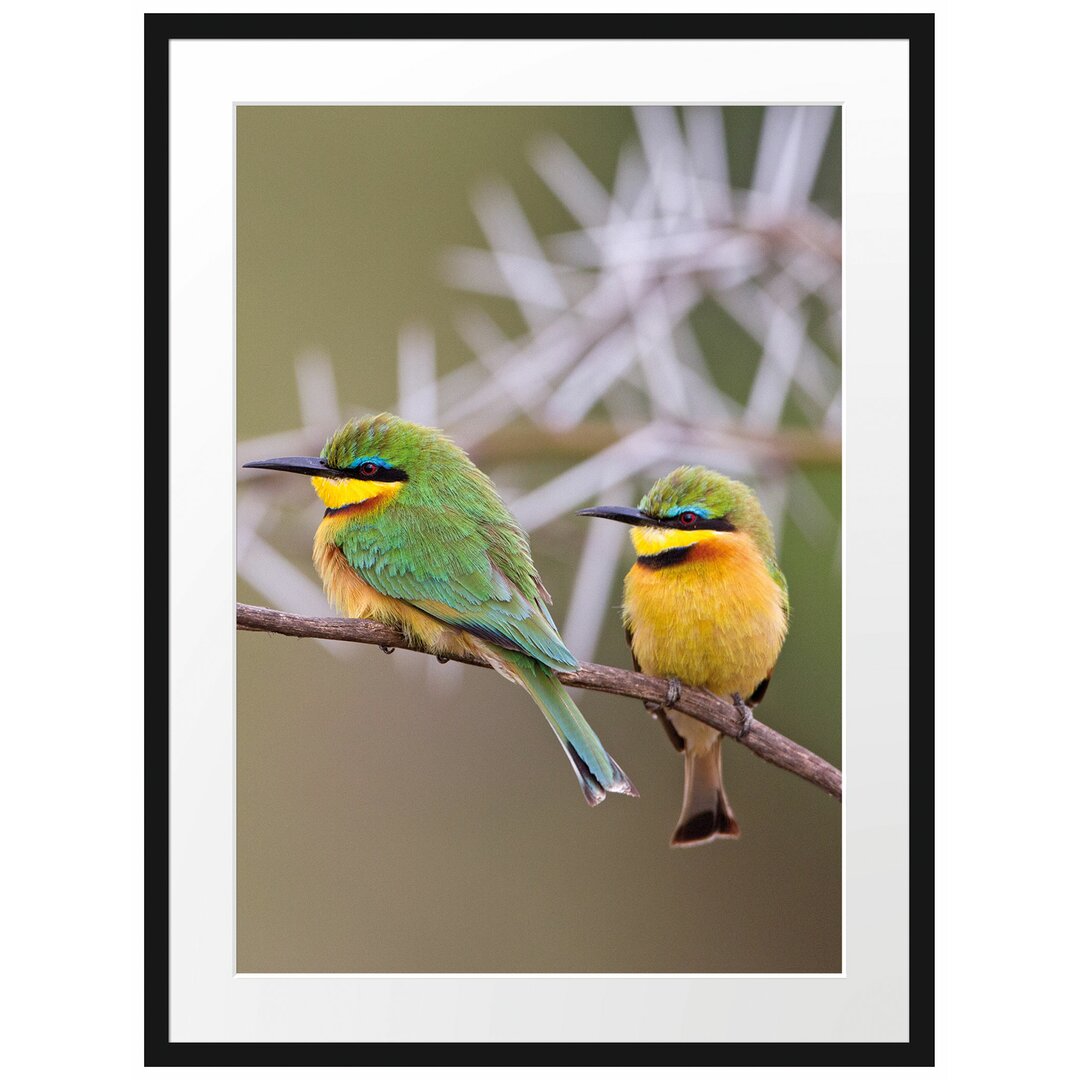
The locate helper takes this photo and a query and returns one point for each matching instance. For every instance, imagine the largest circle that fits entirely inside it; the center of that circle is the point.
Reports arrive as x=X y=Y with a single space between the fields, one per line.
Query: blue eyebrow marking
x=695 y=509
x=381 y=462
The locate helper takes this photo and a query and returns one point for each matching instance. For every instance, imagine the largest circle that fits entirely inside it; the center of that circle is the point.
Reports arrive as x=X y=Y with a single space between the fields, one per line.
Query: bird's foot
x=443 y=659
x=674 y=692
x=745 y=715
x=388 y=649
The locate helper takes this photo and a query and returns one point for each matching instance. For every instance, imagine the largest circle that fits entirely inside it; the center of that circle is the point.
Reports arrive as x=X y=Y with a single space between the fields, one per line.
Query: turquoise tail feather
x=597 y=771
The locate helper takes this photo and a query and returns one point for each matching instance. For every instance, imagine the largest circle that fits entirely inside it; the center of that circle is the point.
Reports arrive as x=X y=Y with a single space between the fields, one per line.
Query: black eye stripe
x=720 y=524
x=383 y=473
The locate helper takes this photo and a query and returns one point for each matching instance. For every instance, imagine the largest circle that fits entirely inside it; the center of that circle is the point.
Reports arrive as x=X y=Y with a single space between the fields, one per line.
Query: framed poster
x=589 y=262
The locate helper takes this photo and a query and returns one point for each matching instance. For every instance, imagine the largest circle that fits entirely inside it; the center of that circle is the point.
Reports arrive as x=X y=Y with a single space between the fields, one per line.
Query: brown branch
x=709 y=709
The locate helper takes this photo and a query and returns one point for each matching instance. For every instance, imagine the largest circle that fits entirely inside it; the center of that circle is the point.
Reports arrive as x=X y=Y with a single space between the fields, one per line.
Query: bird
x=415 y=536
x=704 y=604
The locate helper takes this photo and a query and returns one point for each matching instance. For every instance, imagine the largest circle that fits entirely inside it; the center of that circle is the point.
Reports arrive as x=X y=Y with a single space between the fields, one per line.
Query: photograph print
x=542 y=407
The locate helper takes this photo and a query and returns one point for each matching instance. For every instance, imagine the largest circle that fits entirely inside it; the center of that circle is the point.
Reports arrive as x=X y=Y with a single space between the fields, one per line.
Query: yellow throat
x=715 y=619
x=651 y=540
x=337 y=492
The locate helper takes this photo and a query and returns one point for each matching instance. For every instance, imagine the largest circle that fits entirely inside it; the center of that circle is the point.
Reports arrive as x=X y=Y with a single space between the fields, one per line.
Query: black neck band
x=668 y=557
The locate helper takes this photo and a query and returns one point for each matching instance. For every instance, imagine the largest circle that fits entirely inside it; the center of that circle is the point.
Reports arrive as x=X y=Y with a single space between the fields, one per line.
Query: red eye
x=369 y=468
x=688 y=517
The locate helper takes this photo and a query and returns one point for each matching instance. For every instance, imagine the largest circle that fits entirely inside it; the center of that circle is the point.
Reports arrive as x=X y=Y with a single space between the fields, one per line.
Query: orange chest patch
x=356 y=599
x=715 y=618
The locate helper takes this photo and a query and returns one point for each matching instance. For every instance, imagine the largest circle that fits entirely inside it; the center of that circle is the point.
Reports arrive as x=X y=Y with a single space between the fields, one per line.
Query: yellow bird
x=704 y=604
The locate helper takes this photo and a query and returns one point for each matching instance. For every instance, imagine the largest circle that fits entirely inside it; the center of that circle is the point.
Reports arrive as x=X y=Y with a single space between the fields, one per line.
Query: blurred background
x=584 y=298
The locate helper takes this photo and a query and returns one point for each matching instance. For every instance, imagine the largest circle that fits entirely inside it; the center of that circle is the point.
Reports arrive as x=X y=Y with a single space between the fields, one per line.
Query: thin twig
x=709 y=709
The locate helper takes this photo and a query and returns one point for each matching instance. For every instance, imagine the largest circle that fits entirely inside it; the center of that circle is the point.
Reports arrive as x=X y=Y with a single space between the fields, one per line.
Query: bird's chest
x=716 y=619
x=356 y=599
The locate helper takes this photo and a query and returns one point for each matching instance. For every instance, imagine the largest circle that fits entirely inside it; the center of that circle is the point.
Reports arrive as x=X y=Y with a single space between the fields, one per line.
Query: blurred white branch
x=615 y=380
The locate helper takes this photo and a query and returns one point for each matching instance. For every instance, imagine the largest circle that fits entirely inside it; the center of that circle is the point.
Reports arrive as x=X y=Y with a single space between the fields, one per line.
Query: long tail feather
x=597 y=771
x=706 y=812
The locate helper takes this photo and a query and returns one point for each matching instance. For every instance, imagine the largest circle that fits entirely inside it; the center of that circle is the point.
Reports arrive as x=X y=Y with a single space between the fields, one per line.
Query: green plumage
x=446 y=541
x=445 y=544
x=597 y=771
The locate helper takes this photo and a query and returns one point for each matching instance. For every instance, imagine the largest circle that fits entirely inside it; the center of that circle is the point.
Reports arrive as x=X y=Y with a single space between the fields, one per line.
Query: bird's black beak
x=309 y=466
x=627 y=514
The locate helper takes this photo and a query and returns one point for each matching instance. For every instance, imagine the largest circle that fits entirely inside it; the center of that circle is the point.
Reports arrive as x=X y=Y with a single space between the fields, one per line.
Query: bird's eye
x=369 y=468
x=688 y=517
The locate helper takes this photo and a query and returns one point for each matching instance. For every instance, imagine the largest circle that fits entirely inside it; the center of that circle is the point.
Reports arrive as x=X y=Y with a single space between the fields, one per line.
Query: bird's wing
x=453 y=577
x=652 y=708
x=630 y=645
x=759 y=691
x=778 y=576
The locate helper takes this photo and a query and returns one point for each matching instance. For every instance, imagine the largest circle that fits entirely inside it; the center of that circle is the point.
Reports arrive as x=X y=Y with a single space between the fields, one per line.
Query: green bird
x=414 y=535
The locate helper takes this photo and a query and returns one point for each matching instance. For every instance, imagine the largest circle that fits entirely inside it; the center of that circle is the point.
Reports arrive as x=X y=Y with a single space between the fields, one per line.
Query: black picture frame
x=918 y=30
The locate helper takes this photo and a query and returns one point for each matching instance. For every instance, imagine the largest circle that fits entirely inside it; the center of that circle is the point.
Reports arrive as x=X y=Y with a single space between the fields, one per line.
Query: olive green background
x=392 y=815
